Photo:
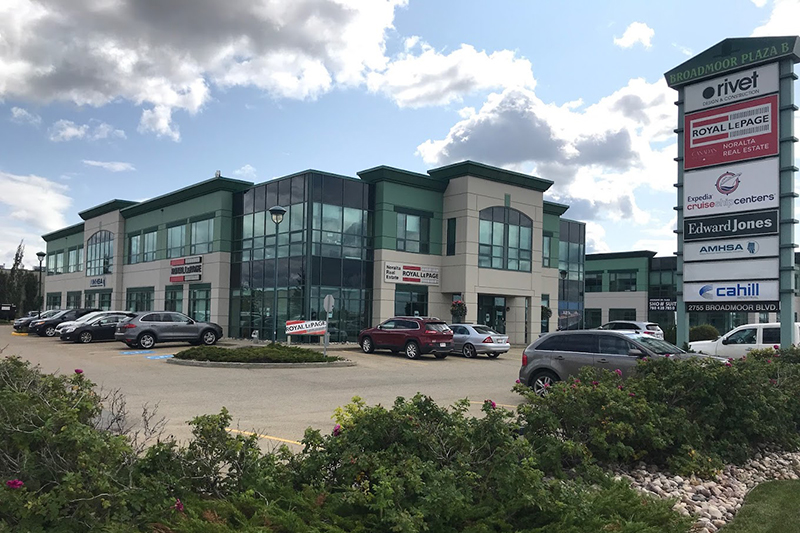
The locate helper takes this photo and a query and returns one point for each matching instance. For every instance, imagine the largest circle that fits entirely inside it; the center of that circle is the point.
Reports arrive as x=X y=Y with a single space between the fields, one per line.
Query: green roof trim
x=553 y=208
x=620 y=255
x=734 y=54
x=500 y=175
x=63 y=232
x=403 y=177
x=102 y=209
x=187 y=193
x=306 y=172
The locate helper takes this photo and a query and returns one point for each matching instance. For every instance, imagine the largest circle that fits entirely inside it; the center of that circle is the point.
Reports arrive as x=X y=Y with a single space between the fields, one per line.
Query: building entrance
x=492 y=312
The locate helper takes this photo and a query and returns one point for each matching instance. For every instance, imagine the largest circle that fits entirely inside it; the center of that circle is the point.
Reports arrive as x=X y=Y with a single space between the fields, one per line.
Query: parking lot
x=276 y=403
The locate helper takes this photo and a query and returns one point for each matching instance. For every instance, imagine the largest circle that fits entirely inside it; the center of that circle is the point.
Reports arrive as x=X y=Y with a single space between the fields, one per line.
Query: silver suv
x=561 y=354
x=145 y=329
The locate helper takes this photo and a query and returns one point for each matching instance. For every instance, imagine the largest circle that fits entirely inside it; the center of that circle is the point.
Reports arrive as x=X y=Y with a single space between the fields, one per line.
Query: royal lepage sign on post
x=306 y=327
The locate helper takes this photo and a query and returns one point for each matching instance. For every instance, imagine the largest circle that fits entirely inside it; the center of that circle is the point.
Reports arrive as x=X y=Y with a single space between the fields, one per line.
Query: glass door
x=492 y=312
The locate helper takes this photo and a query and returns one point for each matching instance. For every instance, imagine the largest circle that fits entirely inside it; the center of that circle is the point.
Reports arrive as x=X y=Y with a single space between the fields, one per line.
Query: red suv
x=413 y=335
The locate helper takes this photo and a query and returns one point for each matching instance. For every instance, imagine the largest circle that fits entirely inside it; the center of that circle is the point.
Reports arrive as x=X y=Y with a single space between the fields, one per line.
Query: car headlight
x=36 y=324
x=68 y=330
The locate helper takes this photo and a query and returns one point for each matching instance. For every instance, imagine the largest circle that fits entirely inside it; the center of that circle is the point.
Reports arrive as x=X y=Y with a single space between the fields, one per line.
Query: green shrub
x=783 y=355
x=692 y=415
x=268 y=353
x=671 y=335
x=703 y=332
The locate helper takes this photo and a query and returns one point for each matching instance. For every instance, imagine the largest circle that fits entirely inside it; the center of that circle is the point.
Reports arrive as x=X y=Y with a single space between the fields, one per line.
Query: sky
x=131 y=99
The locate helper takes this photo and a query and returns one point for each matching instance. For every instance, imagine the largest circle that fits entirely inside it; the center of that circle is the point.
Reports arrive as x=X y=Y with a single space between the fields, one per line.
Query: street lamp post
x=276 y=212
x=41 y=256
x=562 y=291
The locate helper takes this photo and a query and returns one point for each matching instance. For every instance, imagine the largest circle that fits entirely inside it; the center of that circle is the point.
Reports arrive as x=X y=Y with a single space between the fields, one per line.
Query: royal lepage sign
x=400 y=273
x=736 y=132
x=306 y=327
x=186 y=269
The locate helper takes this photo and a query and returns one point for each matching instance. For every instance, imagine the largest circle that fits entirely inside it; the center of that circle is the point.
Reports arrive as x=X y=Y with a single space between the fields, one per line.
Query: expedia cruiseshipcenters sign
x=735 y=201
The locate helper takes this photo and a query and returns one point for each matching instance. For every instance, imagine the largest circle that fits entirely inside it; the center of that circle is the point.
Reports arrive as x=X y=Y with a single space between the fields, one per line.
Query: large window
x=505 y=239
x=73 y=299
x=149 y=245
x=621 y=314
x=622 y=281
x=410 y=300
x=139 y=299
x=173 y=298
x=104 y=300
x=547 y=243
x=202 y=236
x=75 y=259
x=593 y=318
x=413 y=233
x=53 y=300
x=200 y=302
x=594 y=281
x=100 y=253
x=176 y=241
x=59 y=262
x=134 y=249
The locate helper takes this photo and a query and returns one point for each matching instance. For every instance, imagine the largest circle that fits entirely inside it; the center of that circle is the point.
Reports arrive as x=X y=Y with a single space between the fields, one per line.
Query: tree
x=30 y=291
x=15 y=277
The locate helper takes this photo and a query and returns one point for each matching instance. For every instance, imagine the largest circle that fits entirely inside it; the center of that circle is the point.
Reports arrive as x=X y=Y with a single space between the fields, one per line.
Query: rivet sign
x=97 y=282
x=186 y=269
x=739 y=225
x=734 y=87
x=731 y=188
x=306 y=327
x=730 y=133
x=399 y=273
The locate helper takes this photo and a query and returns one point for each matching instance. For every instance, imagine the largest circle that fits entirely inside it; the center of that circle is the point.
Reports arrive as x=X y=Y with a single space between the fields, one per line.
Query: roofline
x=621 y=255
x=554 y=208
x=106 y=207
x=402 y=177
x=481 y=170
x=63 y=232
x=307 y=171
x=187 y=193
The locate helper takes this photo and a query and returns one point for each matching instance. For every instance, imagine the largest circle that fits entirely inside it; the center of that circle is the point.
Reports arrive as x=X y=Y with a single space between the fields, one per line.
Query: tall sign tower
x=736 y=179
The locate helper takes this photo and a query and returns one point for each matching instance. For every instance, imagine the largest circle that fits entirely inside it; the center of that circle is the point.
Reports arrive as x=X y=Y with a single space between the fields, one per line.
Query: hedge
x=268 y=353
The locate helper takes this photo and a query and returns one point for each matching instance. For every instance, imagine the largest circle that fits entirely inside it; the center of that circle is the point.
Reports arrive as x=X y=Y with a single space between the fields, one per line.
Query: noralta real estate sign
x=736 y=179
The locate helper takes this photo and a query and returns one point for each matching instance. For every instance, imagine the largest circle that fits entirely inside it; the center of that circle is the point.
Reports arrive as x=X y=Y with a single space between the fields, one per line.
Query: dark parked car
x=147 y=328
x=561 y=354
x=46 y=327
x=410 y=334
x=21 y=324
x=100 y=327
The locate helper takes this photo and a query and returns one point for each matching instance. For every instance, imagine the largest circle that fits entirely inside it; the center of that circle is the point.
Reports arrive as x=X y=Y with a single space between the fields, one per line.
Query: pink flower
x=631 y=394
x=518 y=381
x=14 y=484
x=730 y=359
x=667 y=355
x=620 y=387
x=595 y=383
x=78 y=371
x=618 y=372
x=490 y=402
x=178 y=505
x=776 y=347
x=337 y=430
x=769 y=360
x=773 y=381
x=577 y=381
x=546 y=385
x=728 y=363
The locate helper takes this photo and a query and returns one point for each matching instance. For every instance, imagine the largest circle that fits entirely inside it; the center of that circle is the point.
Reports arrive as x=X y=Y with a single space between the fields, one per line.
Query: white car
x=68 y=327
x=645 y=328
x=736 y=343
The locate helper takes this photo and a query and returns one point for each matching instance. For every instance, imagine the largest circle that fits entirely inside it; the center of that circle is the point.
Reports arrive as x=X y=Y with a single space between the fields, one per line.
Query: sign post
x=327 y=305
x=736 y=180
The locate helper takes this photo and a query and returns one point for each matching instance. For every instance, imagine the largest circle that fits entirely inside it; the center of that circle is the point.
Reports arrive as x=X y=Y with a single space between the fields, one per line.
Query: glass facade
x=100 y=254
x=139 y=299
x=413 y=233
x=571 y=258
x=505 y=239
x=410 y=300
x=323 y=247
x=73 y=299
x=176 y=241
x=202 y=236
x=173 y=298
x=200 y=302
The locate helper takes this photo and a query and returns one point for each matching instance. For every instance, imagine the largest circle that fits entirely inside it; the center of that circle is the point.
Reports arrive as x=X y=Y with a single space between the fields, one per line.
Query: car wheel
x=366 y=345
x=542 y=381
x=440 y=355
x=85 y=337
x=493 y=355
x=469 y=351
x=412 y=350
x=50 y=331
x=209 y=337
x=146 y=340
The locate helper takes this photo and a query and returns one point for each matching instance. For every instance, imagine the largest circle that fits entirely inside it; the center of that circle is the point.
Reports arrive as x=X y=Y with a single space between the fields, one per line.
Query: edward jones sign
x=731 y=188
x=731 y=133
x=403 y=273
x=740 y=225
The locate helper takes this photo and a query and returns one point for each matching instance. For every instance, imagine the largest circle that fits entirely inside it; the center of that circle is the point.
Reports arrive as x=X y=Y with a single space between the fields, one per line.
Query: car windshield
x=653 y=327
x=441 y=327
x=658 y=346
x=483 y=330
x=57 y=314
x=50 y=314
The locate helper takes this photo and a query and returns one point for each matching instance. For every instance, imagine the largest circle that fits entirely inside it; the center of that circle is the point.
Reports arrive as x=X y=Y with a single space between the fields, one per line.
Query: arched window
x=505 y=240
x=100 y=253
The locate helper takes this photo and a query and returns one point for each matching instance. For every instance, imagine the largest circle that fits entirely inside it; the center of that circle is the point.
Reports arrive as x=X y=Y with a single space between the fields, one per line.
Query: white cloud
x=23 y=116
x=759 y=3
x=595 y=239
x=637 y=32
x=33 y=200
x=10 y=238
x=106 y=131
x=432 y=78
x=112 y=166
x=783 y=20
x=66 y=130
x=684 y=50
x=246 y=172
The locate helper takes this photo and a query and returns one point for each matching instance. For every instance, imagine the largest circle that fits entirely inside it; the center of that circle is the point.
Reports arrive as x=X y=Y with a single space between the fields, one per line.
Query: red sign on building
x=736 y=132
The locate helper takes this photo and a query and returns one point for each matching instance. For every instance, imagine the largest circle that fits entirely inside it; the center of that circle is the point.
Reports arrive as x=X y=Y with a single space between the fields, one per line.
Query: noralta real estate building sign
x=736 y=179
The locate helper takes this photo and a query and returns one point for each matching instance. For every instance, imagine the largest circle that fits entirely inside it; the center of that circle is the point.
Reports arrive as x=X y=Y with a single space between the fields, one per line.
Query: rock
x=714 y=513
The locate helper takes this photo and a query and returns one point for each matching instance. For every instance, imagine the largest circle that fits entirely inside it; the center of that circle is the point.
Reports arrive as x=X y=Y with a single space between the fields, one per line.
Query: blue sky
x=132 y=99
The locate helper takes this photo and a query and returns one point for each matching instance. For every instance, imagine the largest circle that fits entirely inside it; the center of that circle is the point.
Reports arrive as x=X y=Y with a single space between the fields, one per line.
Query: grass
x=772 y=507
x=270 y=353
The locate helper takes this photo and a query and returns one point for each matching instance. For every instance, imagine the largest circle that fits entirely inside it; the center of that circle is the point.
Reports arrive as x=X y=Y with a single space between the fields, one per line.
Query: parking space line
x=498 y=404
x=260 y=436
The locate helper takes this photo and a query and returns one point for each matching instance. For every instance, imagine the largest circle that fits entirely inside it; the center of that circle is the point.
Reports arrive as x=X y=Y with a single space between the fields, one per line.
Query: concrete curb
x=220 y=364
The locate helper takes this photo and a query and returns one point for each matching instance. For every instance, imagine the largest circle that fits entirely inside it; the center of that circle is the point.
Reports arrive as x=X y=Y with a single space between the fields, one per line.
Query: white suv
x=737 y=342
x=645 y=328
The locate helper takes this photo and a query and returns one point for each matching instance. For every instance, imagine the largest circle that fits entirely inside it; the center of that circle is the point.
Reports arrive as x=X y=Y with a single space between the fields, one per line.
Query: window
x=771 y=336
x=621 y=314
x=59 y=262
x=139 y=299
x=53 y=300
x=546 y=313
x=176 y=241
x=173 y=299
x=622 y=282
x=100 y=254
x=451 y=236
x=104 y=301
x=505 y=239
x=80 y=259
x=200 y=302
x=547 y=242
x=594 y=282
x=583 y=343
x=413 y=233
x=202 y=236
x=410 y=300
x=134 y=249
x=72 y=260
x=51 y=264
x=611 y=344
x=74 y=299
x=89 y=299
x=743 y=336
x=593 y=318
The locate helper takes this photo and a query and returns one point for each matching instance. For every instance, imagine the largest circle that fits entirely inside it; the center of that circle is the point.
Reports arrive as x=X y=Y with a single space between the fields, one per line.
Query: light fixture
x=277 y=212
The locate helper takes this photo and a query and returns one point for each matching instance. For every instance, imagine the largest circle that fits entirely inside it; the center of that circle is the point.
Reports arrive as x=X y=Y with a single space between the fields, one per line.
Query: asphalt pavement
x=278 y=404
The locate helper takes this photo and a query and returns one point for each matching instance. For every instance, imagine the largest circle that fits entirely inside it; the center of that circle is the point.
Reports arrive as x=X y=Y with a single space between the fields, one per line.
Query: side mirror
x=725 y=341
x=380 y=326
x=634 y=352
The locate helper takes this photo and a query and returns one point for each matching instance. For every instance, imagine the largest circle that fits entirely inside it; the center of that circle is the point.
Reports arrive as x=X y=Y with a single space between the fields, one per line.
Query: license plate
x=442 y=344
